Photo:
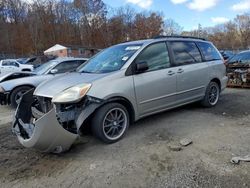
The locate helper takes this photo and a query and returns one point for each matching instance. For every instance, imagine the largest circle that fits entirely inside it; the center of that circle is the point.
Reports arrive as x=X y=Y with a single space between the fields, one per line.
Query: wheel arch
x=118 y=99
x=125 y=102
x=217 y=80
x=28 y=85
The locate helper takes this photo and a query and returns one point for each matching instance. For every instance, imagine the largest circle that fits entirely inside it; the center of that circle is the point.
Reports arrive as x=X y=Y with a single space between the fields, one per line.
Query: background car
x=226 y=54
x=241 y=58
x=15 y=75
x=35 y=61
x=238 y=70
x=26 y=60
x=12 y=90
x=12 y=65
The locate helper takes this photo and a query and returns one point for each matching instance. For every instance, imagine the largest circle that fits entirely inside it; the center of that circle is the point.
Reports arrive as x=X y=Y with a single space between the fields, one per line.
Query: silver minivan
x=117 y=87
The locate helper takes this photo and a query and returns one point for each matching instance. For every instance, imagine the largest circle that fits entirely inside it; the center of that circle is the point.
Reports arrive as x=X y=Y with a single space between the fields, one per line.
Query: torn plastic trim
x=44 y=134
x=48 y=135
x=78 y=112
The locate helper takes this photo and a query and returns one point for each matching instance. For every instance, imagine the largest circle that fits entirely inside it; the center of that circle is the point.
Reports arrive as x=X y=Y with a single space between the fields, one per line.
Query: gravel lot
x=143 y=157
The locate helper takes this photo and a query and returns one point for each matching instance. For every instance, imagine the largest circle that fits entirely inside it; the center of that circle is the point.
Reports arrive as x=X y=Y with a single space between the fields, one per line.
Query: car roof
x=164 y=38
x=68 y=59
x=245 y=51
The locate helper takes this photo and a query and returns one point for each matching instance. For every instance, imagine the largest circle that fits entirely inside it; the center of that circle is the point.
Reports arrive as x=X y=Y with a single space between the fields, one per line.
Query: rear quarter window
x=209 y=52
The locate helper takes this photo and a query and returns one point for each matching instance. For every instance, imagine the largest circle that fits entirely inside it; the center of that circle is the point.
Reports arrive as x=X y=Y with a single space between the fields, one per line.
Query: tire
x=16 y=94
x=110 y=119
x=212 y=95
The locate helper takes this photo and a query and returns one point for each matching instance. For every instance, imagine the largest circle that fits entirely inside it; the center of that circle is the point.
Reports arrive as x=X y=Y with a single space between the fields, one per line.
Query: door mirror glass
x=141 y=66
x=53 y=71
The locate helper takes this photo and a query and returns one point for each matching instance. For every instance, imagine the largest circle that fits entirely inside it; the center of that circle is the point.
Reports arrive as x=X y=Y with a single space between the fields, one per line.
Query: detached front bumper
x=4 y=98
x=45 y=134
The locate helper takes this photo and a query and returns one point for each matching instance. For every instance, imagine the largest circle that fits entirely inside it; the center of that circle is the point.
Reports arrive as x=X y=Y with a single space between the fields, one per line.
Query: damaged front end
x=238 y=75
x=50 y=127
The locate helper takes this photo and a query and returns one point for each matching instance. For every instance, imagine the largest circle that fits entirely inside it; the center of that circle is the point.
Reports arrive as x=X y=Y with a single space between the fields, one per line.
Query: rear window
x=208 y=51
x=185 y=53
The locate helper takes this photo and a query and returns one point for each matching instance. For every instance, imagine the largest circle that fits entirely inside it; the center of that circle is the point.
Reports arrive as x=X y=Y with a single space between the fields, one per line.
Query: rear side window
x=156 y=56
x=185 y=53
x=208 y=51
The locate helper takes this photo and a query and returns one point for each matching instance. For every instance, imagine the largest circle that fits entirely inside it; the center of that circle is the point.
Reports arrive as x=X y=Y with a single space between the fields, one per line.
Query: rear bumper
x=4 y=98
x=45 y=134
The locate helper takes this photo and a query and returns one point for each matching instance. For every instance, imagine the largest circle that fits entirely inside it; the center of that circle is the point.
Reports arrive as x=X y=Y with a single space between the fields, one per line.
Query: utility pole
x=199 y=30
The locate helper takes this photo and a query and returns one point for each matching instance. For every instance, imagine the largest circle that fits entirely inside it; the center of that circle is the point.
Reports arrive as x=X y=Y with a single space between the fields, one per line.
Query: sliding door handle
x=180 y=71
x=170 y=73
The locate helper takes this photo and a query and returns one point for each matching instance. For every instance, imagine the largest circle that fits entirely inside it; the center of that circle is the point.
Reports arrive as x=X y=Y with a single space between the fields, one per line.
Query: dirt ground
x=143 y=157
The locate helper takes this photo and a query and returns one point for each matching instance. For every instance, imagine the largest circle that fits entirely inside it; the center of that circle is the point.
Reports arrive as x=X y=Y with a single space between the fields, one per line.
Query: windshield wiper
x=86 y=72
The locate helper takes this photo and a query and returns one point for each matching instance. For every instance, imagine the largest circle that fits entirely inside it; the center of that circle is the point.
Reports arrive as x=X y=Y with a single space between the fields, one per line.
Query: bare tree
x=170 y=27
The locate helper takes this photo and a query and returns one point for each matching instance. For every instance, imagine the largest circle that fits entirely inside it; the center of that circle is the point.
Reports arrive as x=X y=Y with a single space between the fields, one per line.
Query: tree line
x=27 y=29
x=232 y=35
x=31 y=28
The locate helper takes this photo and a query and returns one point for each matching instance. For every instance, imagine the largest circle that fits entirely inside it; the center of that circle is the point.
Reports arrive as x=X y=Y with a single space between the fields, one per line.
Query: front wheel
x=17 y=94
x=212 y=95
x=110 y=122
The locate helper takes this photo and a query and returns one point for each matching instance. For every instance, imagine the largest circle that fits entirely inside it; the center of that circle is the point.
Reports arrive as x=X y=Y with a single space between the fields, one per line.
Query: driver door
x=156 y=87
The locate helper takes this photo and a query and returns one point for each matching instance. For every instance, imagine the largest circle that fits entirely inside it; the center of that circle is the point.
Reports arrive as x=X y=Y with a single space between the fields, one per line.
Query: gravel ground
x=143 y=157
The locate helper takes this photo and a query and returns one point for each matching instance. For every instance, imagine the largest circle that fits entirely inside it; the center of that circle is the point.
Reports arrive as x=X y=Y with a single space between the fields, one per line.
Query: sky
x=190 y=13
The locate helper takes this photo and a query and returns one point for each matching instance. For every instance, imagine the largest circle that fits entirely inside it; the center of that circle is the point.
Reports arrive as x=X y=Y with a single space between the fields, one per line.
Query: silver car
x=14 y=85
x=117 y=87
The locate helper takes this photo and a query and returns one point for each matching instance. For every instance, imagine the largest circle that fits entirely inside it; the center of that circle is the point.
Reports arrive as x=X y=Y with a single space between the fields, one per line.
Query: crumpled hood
x=30 y=81
x=9 y=74
x=54 y=86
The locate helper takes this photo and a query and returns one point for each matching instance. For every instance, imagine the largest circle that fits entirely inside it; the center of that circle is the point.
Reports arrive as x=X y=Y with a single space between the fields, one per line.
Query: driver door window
x=156 y=56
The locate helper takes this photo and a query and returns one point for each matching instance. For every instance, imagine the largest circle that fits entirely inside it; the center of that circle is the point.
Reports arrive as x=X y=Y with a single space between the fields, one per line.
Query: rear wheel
x=16 y=95
x=110 y=122
x=212 y=95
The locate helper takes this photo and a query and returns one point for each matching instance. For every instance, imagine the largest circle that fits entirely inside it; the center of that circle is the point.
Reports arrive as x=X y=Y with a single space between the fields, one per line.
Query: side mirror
x=141 y=67
x=53 y=71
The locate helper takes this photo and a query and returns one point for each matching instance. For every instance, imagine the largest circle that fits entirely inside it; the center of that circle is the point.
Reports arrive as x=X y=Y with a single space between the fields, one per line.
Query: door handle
x=180 y=71
x=170 y=73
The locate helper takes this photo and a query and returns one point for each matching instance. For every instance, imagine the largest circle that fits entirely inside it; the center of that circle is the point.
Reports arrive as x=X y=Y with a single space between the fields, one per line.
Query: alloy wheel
x=115 y=123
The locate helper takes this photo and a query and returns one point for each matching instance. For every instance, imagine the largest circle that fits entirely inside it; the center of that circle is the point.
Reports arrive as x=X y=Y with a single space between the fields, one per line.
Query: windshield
x=243 y=58
x=110 y=59
x=21 y=60
x=45 y=67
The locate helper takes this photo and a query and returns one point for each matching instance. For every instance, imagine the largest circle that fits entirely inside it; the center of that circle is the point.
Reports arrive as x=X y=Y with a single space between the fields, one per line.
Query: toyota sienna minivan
x=117 y=87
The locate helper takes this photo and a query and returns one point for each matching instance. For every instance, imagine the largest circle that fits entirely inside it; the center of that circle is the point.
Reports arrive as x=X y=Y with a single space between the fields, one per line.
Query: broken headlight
x=72 y=94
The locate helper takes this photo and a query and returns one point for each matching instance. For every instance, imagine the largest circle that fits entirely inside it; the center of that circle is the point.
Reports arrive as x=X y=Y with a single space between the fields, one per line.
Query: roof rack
x=177 y=36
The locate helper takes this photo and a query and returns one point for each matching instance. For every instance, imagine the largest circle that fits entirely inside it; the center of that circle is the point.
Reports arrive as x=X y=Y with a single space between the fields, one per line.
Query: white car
x=12 y=65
